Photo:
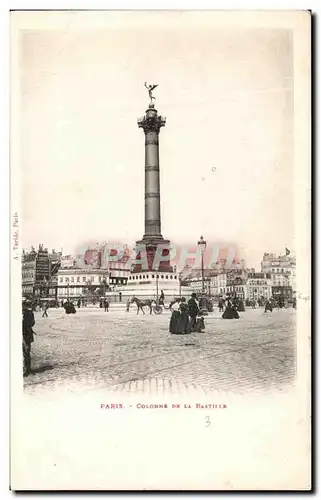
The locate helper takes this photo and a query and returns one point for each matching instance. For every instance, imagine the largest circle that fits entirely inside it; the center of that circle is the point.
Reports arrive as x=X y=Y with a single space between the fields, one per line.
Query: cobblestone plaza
x=136 y=353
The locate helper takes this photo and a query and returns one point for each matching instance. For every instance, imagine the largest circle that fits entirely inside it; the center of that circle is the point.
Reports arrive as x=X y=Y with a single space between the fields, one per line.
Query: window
x=61 y=280
x=167 y=277
x=84 y=279
x=66 y=280
x=140 y=276
x=175 y=277
x=143 y=276
x=92 y=279
x=72 y=280
x=282 y=270
x=171 y=277
x=153 y=276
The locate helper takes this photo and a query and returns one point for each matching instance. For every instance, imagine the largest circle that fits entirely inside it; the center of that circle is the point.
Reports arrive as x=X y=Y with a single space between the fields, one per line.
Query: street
x=135 y=353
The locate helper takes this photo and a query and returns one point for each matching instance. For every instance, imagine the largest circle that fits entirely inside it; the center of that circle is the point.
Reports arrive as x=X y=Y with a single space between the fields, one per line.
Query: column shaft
x=152 y=185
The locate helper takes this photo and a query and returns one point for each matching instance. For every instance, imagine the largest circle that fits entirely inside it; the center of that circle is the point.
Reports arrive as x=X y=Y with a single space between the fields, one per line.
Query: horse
x=143 y=303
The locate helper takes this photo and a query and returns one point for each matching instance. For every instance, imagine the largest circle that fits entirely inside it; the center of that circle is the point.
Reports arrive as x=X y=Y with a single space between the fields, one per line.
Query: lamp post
x=202 y=246
x=156 y=287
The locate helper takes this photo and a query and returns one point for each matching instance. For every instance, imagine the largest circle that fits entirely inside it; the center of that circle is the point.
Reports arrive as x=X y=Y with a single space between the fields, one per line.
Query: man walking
x=268 y=306
x=45 y=309
x=106 y=304
x=193 y=311
x=28 y=321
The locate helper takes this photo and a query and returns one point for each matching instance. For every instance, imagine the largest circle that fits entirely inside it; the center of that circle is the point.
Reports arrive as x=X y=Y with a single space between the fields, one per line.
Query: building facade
x=39 y=273
x=219 y=284
x=74 y=283
x=28 y=272
x=257 y=286
x=283 y=273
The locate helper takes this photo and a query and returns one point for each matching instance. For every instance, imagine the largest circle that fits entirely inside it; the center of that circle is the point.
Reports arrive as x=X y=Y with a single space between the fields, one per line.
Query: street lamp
x=156 y=287
x=202 y=246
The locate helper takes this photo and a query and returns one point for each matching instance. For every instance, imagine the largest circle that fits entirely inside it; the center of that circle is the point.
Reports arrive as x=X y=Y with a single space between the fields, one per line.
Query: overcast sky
x=227 y=94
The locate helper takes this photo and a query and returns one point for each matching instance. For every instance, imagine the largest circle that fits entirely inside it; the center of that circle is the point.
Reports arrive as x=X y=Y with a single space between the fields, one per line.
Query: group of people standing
x=104 y=304
x=187 y=318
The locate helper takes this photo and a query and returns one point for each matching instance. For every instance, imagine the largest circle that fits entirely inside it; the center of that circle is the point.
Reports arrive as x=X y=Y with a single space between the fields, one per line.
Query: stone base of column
x=151 y=244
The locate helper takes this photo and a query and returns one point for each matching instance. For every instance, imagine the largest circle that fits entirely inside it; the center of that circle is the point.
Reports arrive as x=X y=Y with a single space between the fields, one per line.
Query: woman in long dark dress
x=230 y=311
x=183 y=321
x=174 y=321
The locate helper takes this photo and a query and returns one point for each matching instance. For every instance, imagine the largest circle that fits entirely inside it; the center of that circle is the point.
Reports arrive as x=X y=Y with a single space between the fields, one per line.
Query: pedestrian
x=220 y=304
x=120 y=296
x=45 y=309
x=193 y=311
x=127 y=305
x=230 y=311
x=28 y=321
x=162 y=297
x=174 y=321
x=268 y=306
x=183 y=323
x=106 y=304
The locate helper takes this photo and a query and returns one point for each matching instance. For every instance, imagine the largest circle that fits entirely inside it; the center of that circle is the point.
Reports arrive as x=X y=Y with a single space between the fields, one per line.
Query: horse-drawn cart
x=155 y=305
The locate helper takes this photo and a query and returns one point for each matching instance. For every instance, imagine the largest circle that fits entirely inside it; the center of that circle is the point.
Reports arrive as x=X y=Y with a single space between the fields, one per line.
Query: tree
x=103 y=287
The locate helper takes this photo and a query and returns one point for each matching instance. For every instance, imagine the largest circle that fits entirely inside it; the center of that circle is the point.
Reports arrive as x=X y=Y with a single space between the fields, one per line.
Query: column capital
x=151 y=122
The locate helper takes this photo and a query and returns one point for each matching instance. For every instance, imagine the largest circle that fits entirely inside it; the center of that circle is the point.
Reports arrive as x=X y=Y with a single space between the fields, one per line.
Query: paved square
x=136 y=353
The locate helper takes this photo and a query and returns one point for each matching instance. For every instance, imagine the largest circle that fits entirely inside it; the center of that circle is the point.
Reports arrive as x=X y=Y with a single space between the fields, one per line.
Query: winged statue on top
x=150 y=89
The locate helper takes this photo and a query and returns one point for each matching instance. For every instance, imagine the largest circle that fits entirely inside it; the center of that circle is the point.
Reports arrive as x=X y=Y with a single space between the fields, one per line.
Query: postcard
x=160 y=250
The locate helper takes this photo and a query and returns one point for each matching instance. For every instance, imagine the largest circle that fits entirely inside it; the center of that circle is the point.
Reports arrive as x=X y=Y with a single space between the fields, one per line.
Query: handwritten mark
x=213 y=169
x=208 y=421
x=303 y=297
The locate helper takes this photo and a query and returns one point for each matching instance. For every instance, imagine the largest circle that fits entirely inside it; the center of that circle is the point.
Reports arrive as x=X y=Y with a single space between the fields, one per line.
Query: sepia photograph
x=160 y=250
